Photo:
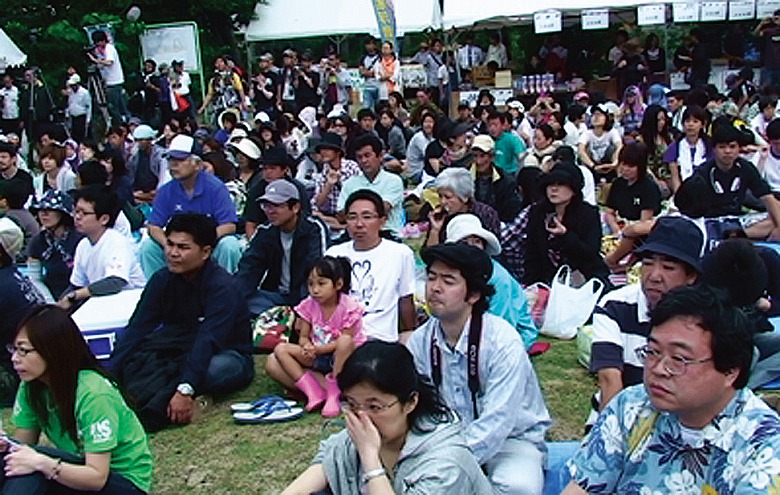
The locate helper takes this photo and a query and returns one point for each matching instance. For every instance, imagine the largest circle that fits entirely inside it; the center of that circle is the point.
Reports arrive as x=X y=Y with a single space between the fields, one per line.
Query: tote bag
x=569 y=306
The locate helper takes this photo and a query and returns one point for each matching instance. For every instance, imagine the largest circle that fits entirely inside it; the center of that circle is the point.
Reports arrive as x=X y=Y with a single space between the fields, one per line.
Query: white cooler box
x=100 y=319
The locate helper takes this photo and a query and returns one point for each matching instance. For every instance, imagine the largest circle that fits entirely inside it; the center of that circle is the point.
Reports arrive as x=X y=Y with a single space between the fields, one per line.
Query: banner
x=713 y=11
x=549 y=21
x=165 y=43
x=595 y=19
x=742 y=10
x=385 y=18
x=685 y=12
x=651 y=14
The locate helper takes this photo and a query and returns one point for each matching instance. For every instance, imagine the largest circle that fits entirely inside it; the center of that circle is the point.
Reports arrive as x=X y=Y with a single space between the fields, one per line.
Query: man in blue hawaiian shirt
x=692 y=427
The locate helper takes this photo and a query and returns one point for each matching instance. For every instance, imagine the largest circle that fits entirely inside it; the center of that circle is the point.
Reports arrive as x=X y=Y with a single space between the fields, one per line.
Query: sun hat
x=247 y=147
x=473 y=263
x=676 y=237
x=468 y=224
x=54 y=200
x=330 y=140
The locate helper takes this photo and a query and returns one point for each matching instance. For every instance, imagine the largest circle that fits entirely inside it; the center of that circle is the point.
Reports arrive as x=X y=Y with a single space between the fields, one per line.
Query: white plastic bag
x=569 y=306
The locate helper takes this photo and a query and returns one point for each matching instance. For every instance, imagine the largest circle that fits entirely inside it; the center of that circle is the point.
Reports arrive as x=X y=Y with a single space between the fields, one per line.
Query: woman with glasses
x=99 y=445
x=400 y=438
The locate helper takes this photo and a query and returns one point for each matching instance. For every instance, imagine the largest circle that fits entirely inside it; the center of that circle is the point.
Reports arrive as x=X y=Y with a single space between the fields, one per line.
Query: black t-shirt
x=260 y=100
x=728 y=188
x=305 y=95
x=56 y=261
x=434 y=150
x=22 y=178
x=771 y=51
x=630 y=200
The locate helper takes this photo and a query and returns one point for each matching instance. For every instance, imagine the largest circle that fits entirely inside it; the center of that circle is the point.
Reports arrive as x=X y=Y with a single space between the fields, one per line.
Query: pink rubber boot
x=314 y=393
x=332 y=408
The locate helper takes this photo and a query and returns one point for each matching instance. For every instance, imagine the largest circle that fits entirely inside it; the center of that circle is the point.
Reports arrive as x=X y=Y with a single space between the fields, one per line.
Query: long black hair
x=389 y=367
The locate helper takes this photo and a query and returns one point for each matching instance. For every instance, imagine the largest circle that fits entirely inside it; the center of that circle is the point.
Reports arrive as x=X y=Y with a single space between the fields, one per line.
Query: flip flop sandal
x=251 y=406
x=271 y=412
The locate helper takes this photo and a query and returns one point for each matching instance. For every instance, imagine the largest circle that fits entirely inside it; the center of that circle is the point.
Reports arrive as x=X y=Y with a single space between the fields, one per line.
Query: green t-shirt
x=104 y=423
x=508 y=147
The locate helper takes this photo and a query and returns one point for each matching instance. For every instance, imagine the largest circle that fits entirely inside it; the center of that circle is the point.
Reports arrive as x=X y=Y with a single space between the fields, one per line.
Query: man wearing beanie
x=478 y=363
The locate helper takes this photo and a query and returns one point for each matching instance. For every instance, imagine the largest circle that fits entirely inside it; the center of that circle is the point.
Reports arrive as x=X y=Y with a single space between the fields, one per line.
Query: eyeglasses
x=82 y=213
x=373 y=408
x=354 y=217
x=22 y=351
x=676 y=365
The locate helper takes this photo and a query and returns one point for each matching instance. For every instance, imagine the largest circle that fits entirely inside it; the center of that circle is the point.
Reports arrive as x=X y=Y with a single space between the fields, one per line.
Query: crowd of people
x=402 y=241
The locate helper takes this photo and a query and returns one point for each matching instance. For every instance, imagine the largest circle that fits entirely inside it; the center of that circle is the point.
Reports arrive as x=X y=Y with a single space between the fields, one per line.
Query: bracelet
x=374 y=473
x=55 y=472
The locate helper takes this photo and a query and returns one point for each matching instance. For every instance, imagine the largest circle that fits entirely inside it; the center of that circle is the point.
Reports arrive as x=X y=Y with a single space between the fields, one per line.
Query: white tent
x=288 y=19
x=10 y=54
x=463 y=13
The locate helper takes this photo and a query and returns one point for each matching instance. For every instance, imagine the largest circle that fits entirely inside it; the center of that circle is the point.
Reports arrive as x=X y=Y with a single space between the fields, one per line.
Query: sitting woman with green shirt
x=100 y=446
x=400 y=438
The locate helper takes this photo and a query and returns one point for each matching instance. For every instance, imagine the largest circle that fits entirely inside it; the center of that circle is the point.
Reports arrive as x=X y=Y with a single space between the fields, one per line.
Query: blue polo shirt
x=211 y=197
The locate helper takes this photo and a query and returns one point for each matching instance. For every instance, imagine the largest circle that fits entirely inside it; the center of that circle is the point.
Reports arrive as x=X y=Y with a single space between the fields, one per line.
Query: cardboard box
x=503 y=79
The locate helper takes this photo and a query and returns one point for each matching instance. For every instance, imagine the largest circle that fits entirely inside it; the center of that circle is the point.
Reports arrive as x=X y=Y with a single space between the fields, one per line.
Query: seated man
x=189 y=334
x=492 y=186
x=478 y=363
x=692 y=426
x=509 y=300
x=147 y=166
x=729 y=178
x=190 y=191
x=336 y=171
x=10 y=171
x=621 y=320
x=17 y=296
x=382 y=270
x=13 y=196
x=278 y=255
x=104 y=262
x=368 y=151
x=275 y=165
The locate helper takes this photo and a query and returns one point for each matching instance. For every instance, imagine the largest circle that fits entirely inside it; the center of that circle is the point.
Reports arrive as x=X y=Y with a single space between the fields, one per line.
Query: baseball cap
x=468 y=224
x=280 y=191
x=144 y=131
x=582 y=95
x=483 y=142
x=676 y=237
x=180 y=147
x=11 y=237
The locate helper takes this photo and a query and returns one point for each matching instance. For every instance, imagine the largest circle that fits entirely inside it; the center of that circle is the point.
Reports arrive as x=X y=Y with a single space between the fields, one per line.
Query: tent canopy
x=463 y=13
x=10 y=54
x=288 y=19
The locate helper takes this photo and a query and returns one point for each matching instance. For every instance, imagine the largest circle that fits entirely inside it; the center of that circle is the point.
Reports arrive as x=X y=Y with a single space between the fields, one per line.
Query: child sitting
x=330 y=326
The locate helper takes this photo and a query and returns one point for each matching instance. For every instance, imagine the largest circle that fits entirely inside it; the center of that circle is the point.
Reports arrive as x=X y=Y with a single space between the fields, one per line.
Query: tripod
x=98 y=91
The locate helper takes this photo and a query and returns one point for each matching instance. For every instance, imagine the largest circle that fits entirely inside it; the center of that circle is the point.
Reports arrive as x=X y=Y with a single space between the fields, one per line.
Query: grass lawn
x=216 y=456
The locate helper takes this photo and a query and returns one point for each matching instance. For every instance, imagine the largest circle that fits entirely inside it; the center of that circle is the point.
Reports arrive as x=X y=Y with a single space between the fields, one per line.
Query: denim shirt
x=510 y=403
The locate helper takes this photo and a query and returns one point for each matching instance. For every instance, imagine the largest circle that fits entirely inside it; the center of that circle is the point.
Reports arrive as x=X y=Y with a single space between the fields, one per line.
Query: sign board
x=414 y=76
x=548 y=21
x=713 y=11
x=742 y=10
x=685 y=12
x=651 y=14
x=166 y=43
x=765 y=8
x=472 y=97
x=595 y=19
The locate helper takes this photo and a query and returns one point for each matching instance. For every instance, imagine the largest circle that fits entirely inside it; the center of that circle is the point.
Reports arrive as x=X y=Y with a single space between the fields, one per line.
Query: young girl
x=691 y=150
x=330 y=326
x=99 y=443
x=600 y=145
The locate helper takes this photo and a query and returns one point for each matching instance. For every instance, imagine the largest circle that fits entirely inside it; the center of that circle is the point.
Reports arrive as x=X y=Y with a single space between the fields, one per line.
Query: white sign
x=595 y=19
x=742 y=10
x=686 y=12
x=548 y=21
x=713 y=11
x=165 y=44
x=765 y=8
x=472 y=97
x=651 y=14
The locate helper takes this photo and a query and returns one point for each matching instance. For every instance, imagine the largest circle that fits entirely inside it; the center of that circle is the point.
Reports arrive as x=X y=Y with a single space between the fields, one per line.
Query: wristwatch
x=374 y=473
x=185 y=389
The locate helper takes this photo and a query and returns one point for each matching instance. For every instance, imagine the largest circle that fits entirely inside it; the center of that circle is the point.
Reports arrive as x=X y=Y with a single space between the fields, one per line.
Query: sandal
x=272 y=411
x=251 y=406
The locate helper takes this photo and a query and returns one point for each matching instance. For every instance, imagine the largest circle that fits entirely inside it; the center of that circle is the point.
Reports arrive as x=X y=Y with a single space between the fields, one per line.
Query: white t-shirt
x=184 y=81
x=444 y=75
x=572 y=137
x=599 y=145
x=112 y=255
x=112 y=74
x=588 y=186
x=772 y=172
x=380 y=277
x=10 y=98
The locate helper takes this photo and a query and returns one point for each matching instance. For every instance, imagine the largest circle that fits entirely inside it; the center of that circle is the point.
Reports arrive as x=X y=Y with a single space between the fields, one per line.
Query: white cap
x=74 y=79
x=11 y=237
x=181 y=147
x=467 y=224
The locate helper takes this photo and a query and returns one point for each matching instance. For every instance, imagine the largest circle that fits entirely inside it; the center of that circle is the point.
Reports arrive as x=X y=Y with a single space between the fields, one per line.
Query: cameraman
x=9 y=106
x=336 y=83
x=79 y=108
x=107 y=59
x=769 y=30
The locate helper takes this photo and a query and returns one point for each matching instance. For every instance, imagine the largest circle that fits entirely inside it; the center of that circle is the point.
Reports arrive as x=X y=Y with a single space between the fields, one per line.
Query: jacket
x=500 y=194
x=262 y=260
x=579 y=247
x=158 y=164
x=433 y=462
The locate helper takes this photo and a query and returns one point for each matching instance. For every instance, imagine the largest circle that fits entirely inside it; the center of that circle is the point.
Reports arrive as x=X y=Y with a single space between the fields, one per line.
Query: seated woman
x=400 y=438
x=50 y=257
x=563 y=229
x=685 y=155
x=632 y=111
x=633 y=202
x=99 y=444
x=544 y=145
x=656 y=133
x=599 y=145
x=456 y=192
x=55 y=174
